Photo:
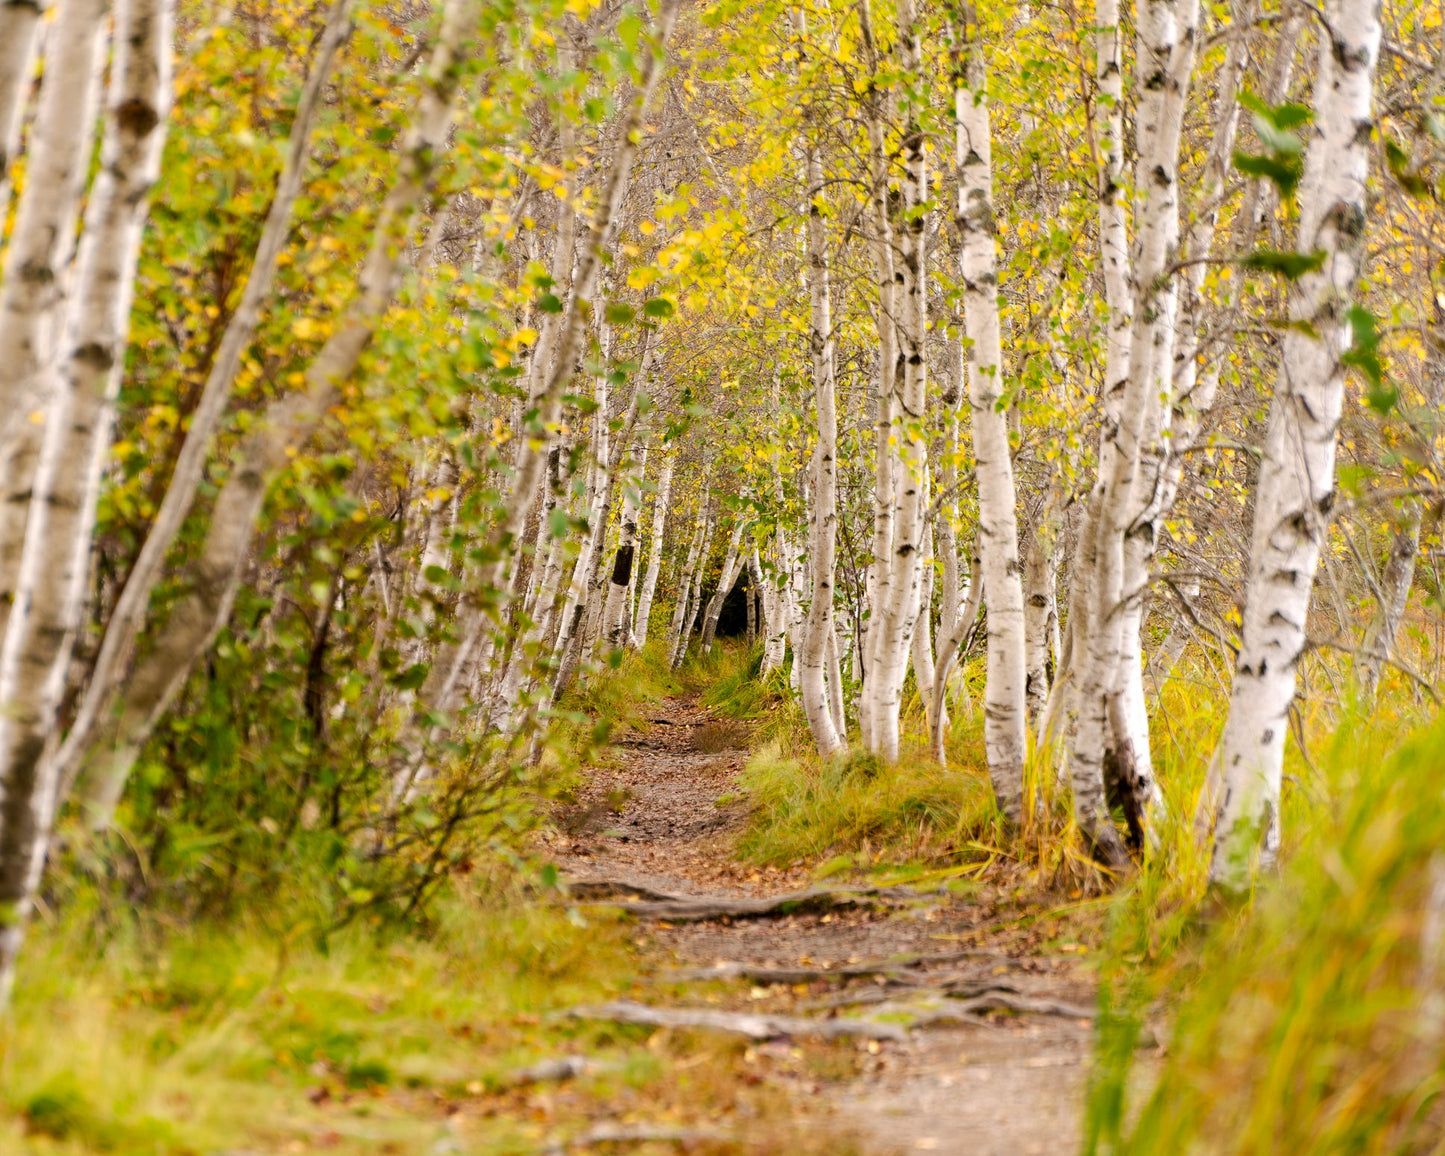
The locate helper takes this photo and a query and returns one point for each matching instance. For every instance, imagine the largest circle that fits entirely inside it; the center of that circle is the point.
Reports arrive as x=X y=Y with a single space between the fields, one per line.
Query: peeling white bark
x=55 y=561
x=40 y=247
x=287 y=423
x=19 y=36
x=1296 y=478
x=1005 y=714
x=824 y=720
x=643 y=616
x=128 y=617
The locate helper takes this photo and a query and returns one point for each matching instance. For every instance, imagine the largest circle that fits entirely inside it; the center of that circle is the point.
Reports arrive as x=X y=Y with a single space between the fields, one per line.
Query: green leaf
x=412 y=677
x=619 y=314
x=1364 y=356
x=1284 y=173
x=1407 y=178
x=550 y=303
x=659 y=307
x=557 y=523
x=549 y=876
x=1290 y=265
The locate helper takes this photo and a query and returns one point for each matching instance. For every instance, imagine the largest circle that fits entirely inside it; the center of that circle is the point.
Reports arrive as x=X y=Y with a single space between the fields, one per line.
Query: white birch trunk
x=825 y=723
x=616 y=620
x=19 y=35
x=773 y=625
x=899 y=606
x=923 y=668
x=1041 y=569
x=55 y=562
x=965 y=628
x=687 y=612
x=872 y=695
x=1119 y=303
x=1005 y=714
x=641 y=621
x=1296 y=477
x=732 y=565
x=1109 y=715
x=128 y=616
x=40 y=247
x=696 y=556
x=288 y=423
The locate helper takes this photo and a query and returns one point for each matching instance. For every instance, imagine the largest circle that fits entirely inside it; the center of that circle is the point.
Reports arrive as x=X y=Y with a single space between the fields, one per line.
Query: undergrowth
x=148 y=1027
x=216 y=1037
x=1309 y=1017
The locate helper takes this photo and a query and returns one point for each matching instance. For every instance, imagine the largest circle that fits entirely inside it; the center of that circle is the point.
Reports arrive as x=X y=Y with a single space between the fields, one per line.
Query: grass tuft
x=864 y=809
x=1308 y=1018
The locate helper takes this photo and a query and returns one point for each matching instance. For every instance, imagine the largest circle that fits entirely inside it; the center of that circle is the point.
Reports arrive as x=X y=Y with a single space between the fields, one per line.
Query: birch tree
x=1005 y=717
x=643 y=616
x=19 y=33
x=55 y=555
x=41 y=244
x=824 y=720
x=289 y=422
x=1296 y=478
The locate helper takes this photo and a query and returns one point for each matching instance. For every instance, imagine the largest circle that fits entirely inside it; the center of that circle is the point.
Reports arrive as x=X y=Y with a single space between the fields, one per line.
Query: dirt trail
x=999 y=1083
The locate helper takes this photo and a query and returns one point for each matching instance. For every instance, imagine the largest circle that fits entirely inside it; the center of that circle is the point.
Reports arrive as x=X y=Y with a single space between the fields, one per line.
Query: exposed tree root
x=638 y=1134
x=554 y=1070
x=883 y=994
x=596 y=890
x=753 y=1025
x=757 y=973
x=699 y=908
x=967 y=1010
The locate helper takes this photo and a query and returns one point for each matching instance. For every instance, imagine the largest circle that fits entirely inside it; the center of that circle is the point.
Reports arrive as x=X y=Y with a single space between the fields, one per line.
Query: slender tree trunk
x=827 y=727
x=1041 y=569
x=1005 y=713
x=616 y=621
x=693 y=594
x=40 y=247
x=288 y=423
x=1296 y=477
x=1399 y=576
x=732 y=563
x=19 y=33
x=54 y=564
x=128 y=617
x=1108 y=715
x=1119 y=304
x=654 y=560
x=835 y=687
x=898 y=611
x=774 y=624
x=965 y=628
x=873 y=696
x=696 y=558
x=1171 y=650
x=923 y=638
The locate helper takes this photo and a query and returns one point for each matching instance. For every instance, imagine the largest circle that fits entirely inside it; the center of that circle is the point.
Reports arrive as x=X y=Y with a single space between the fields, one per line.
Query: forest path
x=664 y=818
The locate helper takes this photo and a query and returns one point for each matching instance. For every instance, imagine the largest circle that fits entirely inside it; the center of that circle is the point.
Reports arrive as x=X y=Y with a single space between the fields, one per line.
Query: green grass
x=855 y=811
x=144 y=1031
x=219 y=1038
x=1301 y=1021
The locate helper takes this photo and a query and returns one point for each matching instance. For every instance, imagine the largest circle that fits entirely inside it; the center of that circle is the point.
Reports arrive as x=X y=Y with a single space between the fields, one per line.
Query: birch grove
x=991 y=383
